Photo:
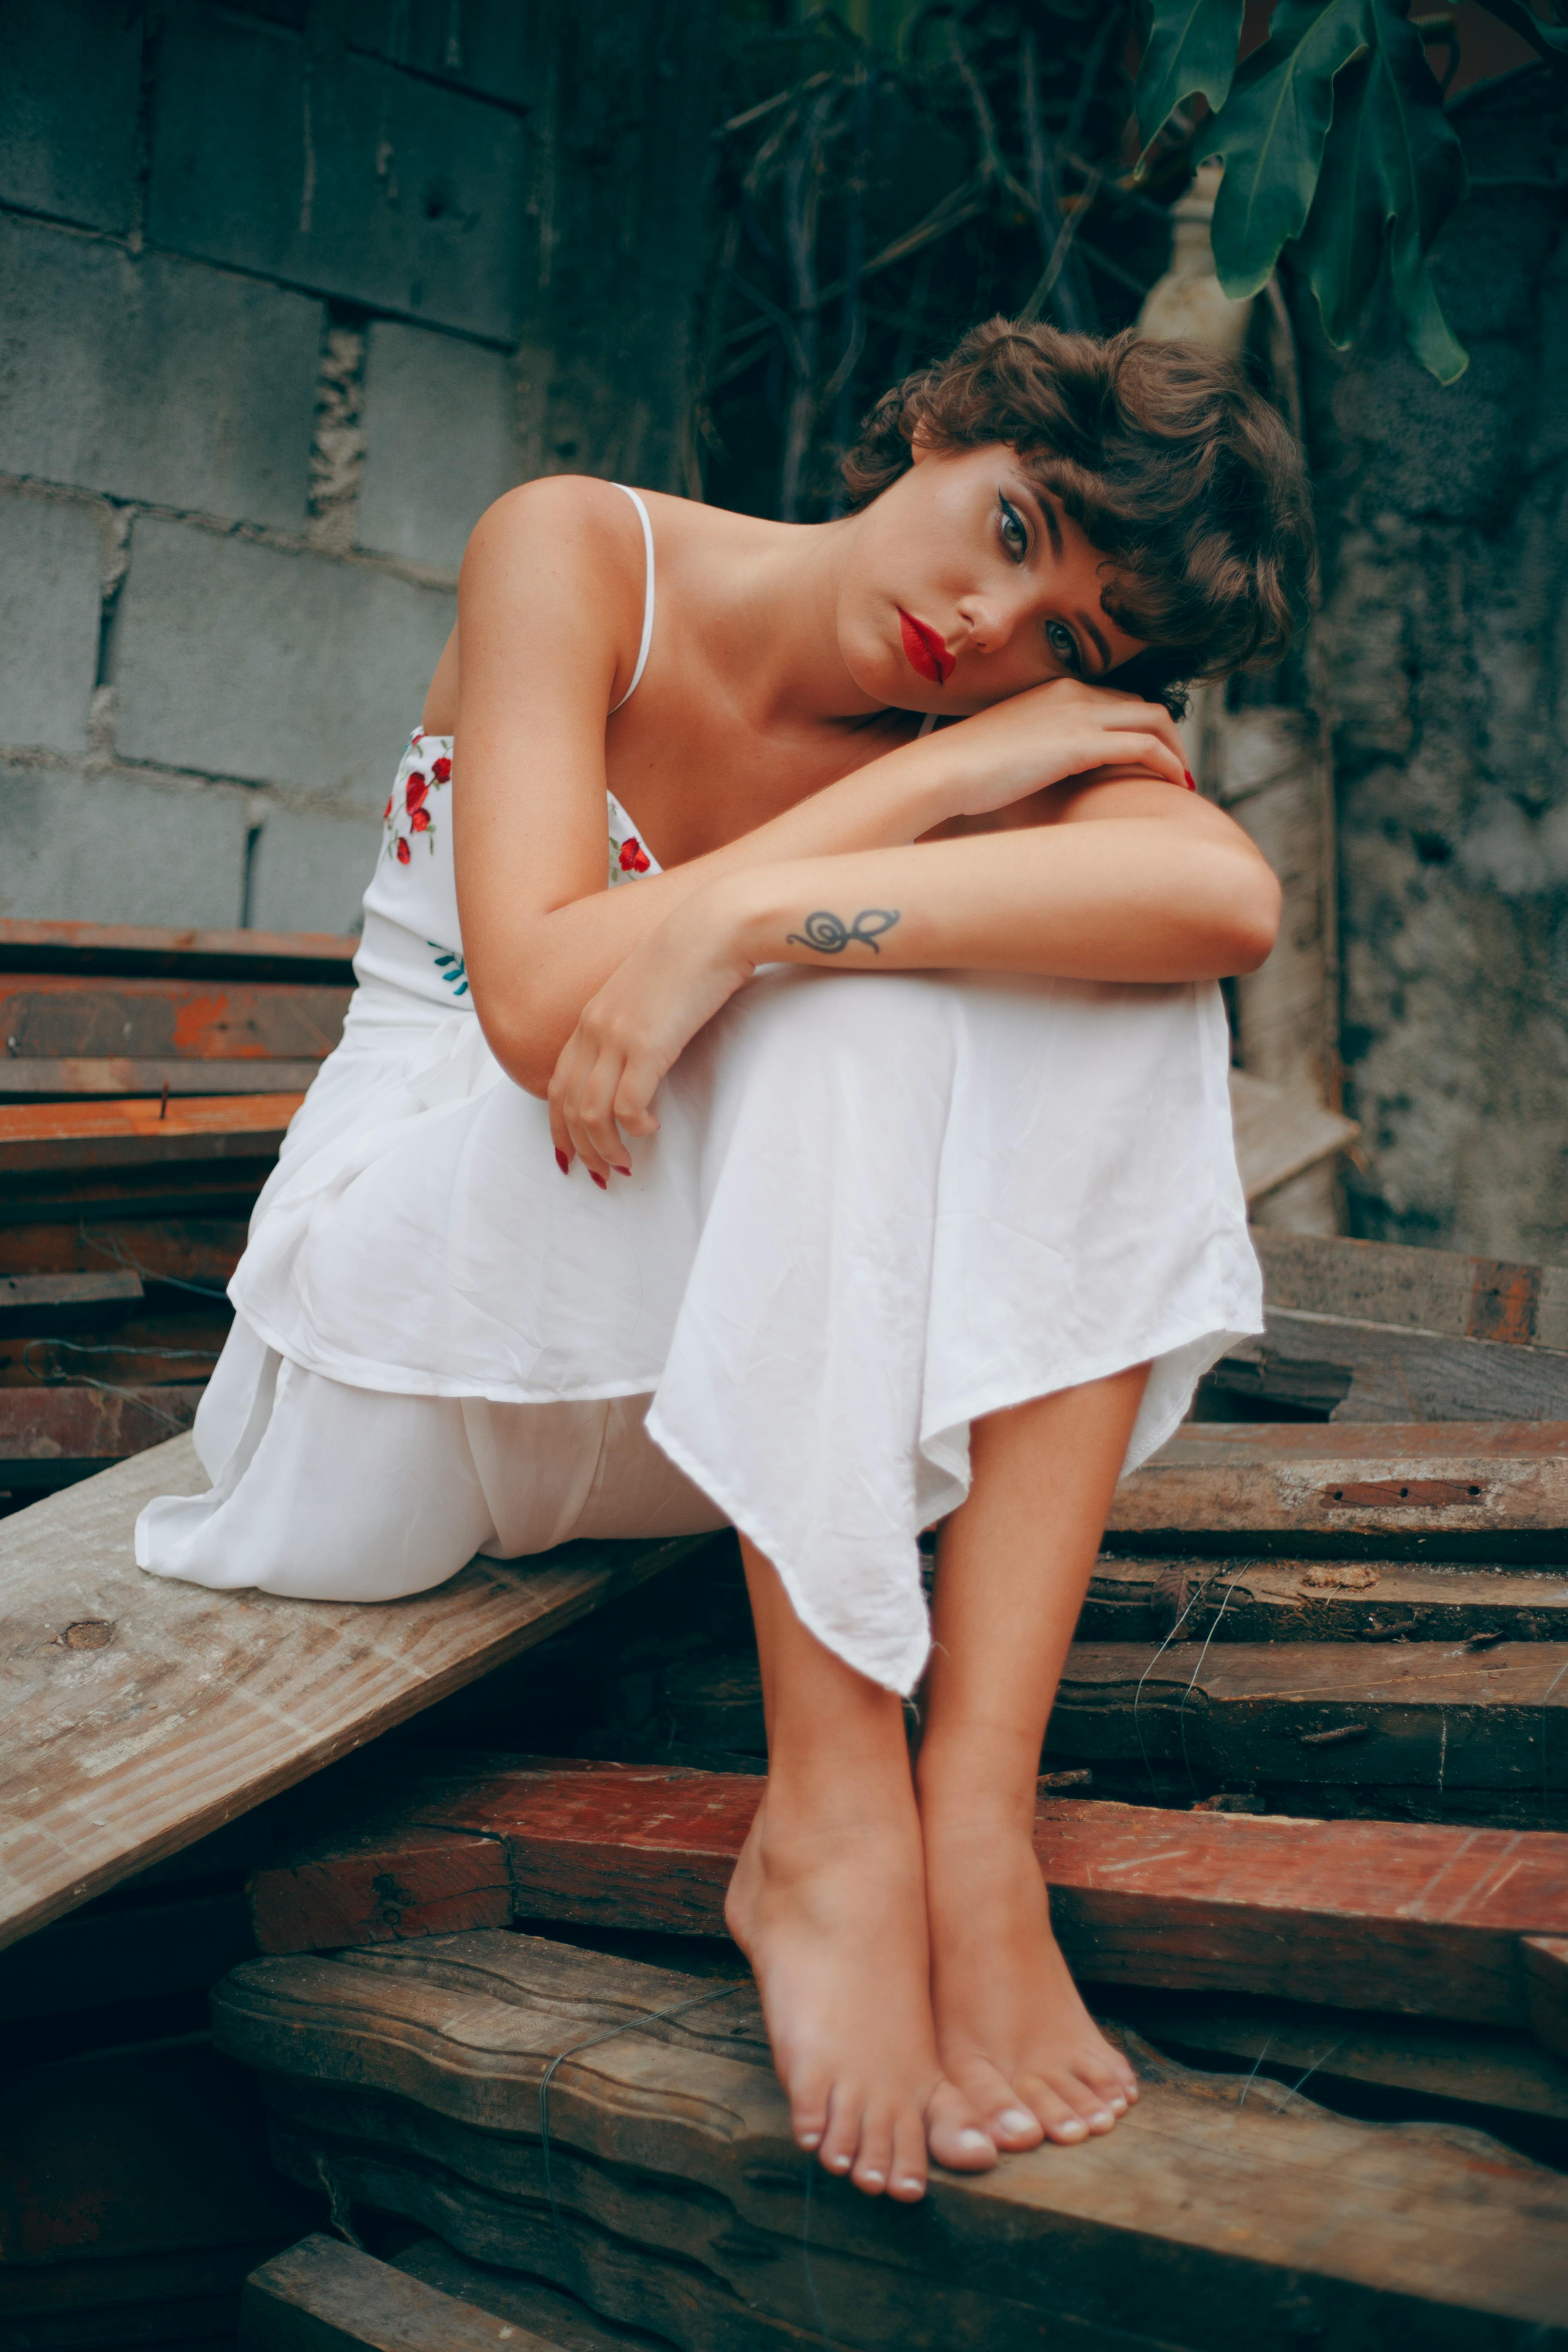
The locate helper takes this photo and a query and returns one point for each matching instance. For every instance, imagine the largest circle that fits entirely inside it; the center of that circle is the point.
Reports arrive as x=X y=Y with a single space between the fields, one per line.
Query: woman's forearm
x=1133 y=898
x=548 y=969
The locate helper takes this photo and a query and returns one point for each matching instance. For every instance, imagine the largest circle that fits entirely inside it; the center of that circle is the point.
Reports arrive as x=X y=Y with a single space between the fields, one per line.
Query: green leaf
x=1189 y=46
x=1271 y=131
x=1543 y=39
x=1392 y=171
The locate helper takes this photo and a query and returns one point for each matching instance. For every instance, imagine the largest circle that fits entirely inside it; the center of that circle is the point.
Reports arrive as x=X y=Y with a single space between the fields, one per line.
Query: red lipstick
x=927 y=652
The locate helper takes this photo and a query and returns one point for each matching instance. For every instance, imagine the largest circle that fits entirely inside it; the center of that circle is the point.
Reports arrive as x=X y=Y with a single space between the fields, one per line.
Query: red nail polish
x=598 y=1180
x=563 y=1163
x=1192 y=779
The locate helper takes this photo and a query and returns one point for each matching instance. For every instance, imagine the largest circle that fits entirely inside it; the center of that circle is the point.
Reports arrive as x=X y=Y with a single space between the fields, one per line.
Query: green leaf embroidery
x=1189 y=46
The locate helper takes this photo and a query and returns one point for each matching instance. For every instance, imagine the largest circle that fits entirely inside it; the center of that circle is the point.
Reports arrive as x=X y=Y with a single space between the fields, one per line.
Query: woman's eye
x=1015 y=537
x=1064 y=646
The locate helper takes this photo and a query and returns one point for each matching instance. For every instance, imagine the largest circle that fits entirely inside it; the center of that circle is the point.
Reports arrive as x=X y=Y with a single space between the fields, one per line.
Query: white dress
x=878 y=1207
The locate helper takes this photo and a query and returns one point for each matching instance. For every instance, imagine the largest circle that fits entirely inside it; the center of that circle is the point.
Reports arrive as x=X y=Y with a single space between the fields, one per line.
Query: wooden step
x=415 y=2082
x=324 y=2296
x=1321 y=1601
x=140 y=1713
x=1445 y=1490
x=125 y=950
x=52 y=1438
x=37 y=1139
x=1417 y=1919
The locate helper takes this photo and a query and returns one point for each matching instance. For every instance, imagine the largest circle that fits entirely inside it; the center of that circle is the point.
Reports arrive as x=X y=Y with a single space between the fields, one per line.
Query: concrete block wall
x=266 y=270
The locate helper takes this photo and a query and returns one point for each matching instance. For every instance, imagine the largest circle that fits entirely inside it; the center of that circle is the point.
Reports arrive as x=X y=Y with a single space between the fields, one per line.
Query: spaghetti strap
x=646 y=601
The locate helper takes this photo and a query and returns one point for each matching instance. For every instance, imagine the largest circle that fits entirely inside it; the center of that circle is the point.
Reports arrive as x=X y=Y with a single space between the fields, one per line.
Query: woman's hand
x=630 y=1032
x=1040 y=736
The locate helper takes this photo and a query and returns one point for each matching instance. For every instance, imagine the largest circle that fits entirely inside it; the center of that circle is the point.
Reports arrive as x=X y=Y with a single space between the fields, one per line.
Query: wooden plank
x=63 y=1302
x=324 y=2296
x=1320 y=1601
x=1382 y=1372
x=54 y=1436
x=1439 y=1489
x=1479 y=2068
x=73 y=1079
x=200 y=1704
x=1435 y=1291
x=316 y=958
x=39 y=1138
x=186 y=1191
x=1417 y=1715
x=1546 y=1988
x=559 y=2317
x=1279 y=1131
x=203 y=1251
x=412 y=2080
x=61 y=1015
x=1418 y=1918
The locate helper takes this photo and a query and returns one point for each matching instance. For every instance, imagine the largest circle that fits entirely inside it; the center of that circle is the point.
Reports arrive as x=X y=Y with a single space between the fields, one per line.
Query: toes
x=1068 y=2109
x=808 y=2116
x=906 y=2180
x=997 y=2106
x=874 y=2159
x=954 y=2134
x=841 y=2135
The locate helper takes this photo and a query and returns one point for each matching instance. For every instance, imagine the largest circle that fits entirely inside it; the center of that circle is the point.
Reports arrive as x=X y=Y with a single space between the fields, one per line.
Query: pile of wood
x=482 y=2068
x=147 y=1079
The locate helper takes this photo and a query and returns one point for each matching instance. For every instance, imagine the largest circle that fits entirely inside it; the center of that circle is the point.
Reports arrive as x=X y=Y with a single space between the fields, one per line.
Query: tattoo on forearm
x=830 y=936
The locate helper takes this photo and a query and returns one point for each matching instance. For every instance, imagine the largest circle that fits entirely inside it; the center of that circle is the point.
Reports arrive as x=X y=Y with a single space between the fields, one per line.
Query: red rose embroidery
x=634 y=857
x=404 y=852
x=415 y=792
x=386 y=811
x=441 y=769
x=420 y=820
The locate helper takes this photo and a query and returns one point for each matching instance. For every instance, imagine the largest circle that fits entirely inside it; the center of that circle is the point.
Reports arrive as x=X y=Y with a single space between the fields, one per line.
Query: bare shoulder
x=564 y=519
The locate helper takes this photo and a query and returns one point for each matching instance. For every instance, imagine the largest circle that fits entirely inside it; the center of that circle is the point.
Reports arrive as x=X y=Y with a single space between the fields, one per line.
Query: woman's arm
x=548 y=617
x=1129 y=883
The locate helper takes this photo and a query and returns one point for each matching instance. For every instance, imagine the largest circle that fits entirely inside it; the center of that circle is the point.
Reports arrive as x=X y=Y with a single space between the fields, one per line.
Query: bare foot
x=832 y=1917
x=1012 y=2033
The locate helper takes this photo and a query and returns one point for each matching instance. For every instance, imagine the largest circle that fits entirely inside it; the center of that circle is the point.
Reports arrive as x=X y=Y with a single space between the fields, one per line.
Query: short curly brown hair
x=1183 y=476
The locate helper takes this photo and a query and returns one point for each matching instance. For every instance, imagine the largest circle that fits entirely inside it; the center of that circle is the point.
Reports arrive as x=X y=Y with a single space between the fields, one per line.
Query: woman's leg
x=1014 y=1564
x=828 y=1903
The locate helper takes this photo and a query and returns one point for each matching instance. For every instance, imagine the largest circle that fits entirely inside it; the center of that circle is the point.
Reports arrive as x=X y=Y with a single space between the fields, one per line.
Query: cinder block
x=309 y=870
x=244 y=661
x=155 y=378
x=116 y=849
x=439 y=444
x=493 y=47
x=71 y=74
x=51 y=601
x=384 y=189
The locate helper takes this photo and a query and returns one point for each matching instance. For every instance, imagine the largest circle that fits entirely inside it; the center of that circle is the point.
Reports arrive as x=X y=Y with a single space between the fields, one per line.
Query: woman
x=867 y=1166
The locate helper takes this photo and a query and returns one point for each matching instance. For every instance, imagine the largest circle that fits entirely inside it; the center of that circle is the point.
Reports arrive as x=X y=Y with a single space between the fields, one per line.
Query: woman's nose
x=990 y=622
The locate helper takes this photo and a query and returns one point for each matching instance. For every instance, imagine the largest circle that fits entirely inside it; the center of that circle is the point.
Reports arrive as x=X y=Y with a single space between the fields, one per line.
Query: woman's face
x=966 y=582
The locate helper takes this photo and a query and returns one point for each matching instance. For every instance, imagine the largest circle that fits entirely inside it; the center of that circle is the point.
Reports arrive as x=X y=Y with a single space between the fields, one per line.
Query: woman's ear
x=922 y=446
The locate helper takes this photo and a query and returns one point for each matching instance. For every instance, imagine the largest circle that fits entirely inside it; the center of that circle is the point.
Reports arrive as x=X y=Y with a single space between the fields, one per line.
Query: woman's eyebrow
x=1080 y=614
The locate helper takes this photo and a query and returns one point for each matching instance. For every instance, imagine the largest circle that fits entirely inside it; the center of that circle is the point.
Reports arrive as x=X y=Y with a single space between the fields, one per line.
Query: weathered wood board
x=552 y=2313
x=413 y=2081
x=1314 y=1600
x=1416 y=1918
x=171 y=1709
x=1476 y=1490
x=1483 y=2067
x=313 y=958
x=183 y=1250
x=1390 y=1715
x=1435 y=1291
x=75 y=1138
x=45 y=1016
x=54 y=1436
x=1382 y=1372
x=324 y=2296
x=74 y=1077
x=1281 y=1131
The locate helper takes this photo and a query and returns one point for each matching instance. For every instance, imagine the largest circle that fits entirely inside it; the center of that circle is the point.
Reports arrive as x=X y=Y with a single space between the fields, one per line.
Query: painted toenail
x=1017 y=2119
x=973 y=2139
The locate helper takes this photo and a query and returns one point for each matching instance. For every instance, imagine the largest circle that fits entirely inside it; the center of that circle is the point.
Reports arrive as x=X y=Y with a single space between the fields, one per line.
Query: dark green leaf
x=1189 y=46
x=1545 y=39
x=1392 y=172
x=1271 y=129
